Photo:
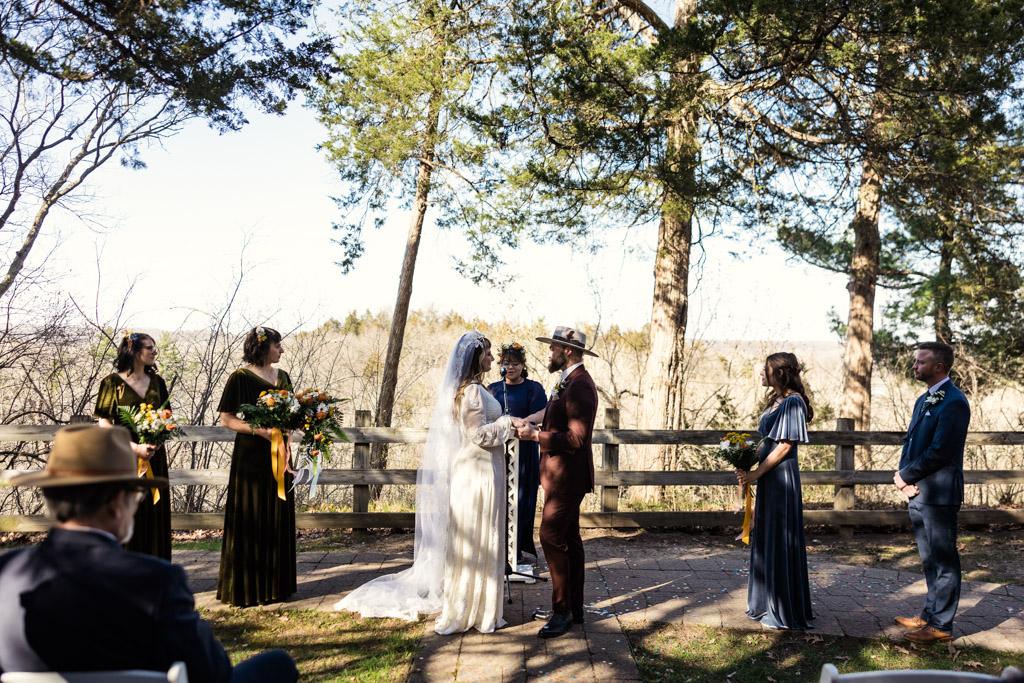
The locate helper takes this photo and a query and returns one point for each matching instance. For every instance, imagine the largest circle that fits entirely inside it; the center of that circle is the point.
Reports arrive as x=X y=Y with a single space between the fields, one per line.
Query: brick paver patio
x=629 y=585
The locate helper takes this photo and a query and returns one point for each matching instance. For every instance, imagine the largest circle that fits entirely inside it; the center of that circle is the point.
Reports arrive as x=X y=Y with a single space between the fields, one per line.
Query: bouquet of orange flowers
x=149 y=425
x=278 y=410
x=320 y=427
x=274 y=409
x=740 y=451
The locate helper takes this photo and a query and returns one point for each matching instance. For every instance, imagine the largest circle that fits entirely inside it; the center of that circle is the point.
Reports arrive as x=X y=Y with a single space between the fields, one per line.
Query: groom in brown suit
x=566 y=473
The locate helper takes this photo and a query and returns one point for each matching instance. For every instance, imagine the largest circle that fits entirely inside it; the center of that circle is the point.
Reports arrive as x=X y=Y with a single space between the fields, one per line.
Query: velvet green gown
x=257 y=559
x=152 y=534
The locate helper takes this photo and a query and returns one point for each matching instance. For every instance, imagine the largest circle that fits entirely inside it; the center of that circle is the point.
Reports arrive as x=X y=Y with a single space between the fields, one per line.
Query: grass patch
x=327 y=646
x=698 y=654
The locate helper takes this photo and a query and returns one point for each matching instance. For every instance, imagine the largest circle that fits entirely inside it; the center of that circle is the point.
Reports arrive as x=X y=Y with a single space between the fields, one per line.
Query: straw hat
x=566 y=336
x=87 y=454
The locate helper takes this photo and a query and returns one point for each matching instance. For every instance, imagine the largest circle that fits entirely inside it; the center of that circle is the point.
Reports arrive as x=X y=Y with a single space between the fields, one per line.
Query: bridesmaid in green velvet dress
x=136 y=382
x=257 y=559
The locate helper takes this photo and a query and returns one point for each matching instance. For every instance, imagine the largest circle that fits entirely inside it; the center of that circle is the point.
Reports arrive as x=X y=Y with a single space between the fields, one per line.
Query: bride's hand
x=517 y=422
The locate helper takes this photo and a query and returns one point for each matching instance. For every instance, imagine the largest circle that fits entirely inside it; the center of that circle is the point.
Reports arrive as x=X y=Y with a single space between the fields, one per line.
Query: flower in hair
x=261 y=335
x=479 y=341
x=131 y=336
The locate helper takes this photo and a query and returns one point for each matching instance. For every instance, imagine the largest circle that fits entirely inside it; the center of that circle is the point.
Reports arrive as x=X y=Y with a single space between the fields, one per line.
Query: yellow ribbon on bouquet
x=748 y=514
x=145 y=469
x=278 y=462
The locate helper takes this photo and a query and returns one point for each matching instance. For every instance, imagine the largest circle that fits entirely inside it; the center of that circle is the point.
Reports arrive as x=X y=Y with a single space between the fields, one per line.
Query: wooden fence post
x=610 y=463
x=80 y=419
x=361 y=461
x=844 y=495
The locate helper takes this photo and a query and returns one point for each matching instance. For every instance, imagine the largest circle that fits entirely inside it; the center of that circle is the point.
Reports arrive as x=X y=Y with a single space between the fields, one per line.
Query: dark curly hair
x=257 y=344
x=515 y=354
x=783 y=371
x=128 y=349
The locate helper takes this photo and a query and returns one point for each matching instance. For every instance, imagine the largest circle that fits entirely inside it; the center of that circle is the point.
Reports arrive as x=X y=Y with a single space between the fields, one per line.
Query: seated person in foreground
x=79 y=602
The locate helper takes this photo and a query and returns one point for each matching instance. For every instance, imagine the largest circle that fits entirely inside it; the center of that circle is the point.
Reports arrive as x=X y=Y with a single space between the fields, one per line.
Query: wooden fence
x=608 y=475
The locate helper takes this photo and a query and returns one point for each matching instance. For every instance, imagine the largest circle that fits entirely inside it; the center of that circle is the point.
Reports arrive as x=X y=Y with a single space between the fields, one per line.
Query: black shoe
x=545 y=614
x=558 y=625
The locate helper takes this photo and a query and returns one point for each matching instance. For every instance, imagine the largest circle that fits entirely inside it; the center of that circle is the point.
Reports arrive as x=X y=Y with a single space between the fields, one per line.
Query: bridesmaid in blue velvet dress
x=778 y=590
x=520 y=397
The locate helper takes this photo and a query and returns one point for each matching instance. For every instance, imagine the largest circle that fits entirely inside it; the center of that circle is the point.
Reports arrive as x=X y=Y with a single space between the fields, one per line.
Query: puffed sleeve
x=792 y=423
x=482 y=433
x=106 y=401
x=232 y=396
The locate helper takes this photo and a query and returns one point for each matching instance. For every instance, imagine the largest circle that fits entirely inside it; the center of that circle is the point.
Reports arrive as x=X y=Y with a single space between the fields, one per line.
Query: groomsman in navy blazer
x=931 y=475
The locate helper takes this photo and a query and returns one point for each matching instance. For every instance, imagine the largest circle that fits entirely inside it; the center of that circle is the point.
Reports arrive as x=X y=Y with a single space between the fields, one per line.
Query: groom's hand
x=898 y=480
x=527 y=432
x=910 y=491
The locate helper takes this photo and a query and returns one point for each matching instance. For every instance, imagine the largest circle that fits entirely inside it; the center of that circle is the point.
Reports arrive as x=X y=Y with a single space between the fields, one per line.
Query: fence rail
x=608 y=477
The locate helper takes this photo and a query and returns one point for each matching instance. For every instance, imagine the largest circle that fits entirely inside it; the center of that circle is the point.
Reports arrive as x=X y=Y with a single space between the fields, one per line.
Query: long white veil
x=418 y=590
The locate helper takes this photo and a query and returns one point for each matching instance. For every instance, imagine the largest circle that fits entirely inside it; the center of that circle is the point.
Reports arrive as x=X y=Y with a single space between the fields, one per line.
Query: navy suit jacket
x=79 y=602
x=933 y=448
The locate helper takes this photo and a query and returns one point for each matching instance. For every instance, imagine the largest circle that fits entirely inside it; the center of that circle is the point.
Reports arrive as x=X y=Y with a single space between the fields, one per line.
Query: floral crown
x=261 y=335
x=511 y=347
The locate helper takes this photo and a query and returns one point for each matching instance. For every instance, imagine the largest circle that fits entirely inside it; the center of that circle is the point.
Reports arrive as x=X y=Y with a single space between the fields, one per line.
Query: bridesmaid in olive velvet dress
x=134 y=383
x=257 y=559
x=778 y=590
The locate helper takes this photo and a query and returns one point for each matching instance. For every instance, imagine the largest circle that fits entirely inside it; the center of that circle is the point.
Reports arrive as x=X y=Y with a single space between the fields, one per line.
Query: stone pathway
x=688 y=585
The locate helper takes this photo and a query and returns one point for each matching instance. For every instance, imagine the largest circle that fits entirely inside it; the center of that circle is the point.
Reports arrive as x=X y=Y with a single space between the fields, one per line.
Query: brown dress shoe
x=927 y=634
x=911 y=622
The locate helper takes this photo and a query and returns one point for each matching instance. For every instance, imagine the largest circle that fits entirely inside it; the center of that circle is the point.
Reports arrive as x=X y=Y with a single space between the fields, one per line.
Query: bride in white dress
x=458 y=556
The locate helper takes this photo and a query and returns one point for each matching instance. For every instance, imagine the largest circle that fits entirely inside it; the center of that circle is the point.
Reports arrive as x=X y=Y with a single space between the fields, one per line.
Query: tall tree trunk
x=396 y=338
x=941 y=287
x=662 y=402
x=858 y=360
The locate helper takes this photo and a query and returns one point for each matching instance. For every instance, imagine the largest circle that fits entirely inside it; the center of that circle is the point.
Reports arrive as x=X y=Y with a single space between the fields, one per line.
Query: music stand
x=512 y=516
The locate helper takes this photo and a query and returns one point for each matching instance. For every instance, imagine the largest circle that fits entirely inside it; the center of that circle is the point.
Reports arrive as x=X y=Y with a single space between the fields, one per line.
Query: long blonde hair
x=474 y=375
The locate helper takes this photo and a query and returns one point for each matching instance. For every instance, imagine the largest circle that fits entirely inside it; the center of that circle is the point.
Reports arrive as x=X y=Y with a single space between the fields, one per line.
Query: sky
x=211 y=206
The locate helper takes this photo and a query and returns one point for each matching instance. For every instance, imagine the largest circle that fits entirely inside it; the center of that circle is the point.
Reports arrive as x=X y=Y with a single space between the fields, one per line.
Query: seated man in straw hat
x=79 y=602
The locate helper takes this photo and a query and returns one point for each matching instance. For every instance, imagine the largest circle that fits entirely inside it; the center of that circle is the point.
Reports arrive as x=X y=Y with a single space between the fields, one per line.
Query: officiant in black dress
x=520 y=397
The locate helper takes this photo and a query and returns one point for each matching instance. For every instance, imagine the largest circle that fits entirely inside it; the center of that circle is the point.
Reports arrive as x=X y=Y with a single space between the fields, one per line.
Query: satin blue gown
x=778 y=590
x=521 y=400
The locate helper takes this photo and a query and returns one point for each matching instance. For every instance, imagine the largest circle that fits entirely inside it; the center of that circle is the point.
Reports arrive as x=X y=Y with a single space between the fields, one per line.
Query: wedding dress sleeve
x=478 y=430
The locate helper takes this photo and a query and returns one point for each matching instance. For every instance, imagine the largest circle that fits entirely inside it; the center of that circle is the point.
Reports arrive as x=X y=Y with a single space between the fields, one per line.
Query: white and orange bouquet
x=149 y=425
x=277 y=410
x=739 y=449
x=274 y=409
x=320 y=427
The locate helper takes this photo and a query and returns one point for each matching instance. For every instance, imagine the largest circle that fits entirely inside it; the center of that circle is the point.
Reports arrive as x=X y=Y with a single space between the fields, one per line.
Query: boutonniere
x=562 y=384
x=936 y=398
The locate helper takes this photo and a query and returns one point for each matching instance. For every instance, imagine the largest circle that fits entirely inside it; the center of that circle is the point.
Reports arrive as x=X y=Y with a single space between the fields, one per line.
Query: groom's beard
x=557 y=364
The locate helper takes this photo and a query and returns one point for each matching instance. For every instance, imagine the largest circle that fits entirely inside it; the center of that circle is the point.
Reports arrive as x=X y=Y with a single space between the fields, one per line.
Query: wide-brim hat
x=566 y=336
x=88 y=454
